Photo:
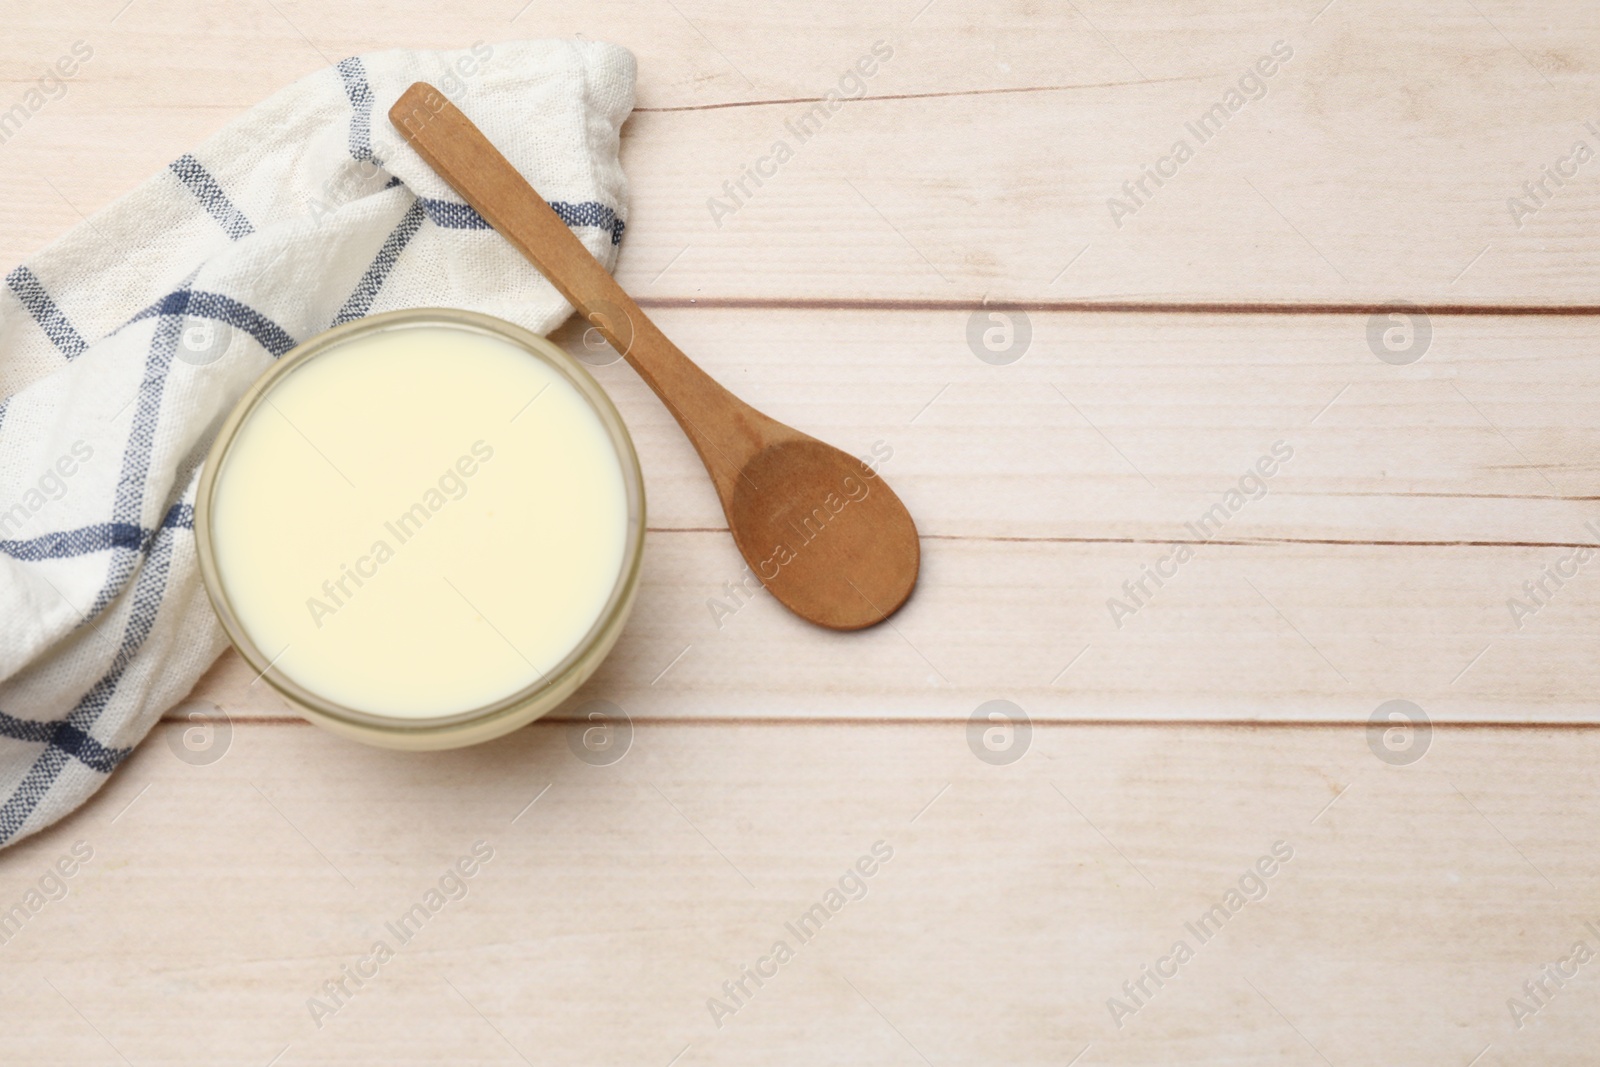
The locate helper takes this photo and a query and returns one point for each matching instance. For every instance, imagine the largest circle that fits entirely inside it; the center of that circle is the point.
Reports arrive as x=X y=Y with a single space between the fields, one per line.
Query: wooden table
x=1197 y=763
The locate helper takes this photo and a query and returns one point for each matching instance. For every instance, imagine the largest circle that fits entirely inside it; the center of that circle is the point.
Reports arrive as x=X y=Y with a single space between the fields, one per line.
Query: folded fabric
x=124 y=344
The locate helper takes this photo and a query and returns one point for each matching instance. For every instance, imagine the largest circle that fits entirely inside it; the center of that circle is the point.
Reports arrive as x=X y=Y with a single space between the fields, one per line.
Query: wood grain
x=1378 y=166
x=1128 y=426
x=1018 y=900
x=1245 y=632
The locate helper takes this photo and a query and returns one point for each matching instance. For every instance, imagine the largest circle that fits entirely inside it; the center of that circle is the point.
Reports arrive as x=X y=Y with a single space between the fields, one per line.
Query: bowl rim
x=509 y=711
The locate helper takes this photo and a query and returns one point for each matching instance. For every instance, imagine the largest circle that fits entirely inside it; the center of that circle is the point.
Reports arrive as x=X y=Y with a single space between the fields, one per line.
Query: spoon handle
x=724 y=430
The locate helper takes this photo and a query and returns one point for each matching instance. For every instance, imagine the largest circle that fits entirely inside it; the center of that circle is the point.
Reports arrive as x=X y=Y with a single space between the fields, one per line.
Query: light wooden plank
x=1018 y=899
x=1132 y=426
x=1244 y=632
x=1379 y=165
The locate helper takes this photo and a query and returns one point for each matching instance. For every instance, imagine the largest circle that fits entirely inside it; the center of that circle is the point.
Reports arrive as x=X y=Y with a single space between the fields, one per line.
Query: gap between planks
x=923 y=721
x=1115 y=306
x=938 y=95
x=1244 y=542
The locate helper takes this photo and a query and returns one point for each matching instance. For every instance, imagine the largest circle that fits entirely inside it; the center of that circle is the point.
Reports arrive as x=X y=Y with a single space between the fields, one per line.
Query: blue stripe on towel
x=133 y=480
x=30 y=291
x=452 y=216
x=203 y=305
x=366 y=290
x=199 y=181
x=87 y=540
x=26 y=729
x=590 y=213
x=65 y=737
x=64 y=544
x=354 y=76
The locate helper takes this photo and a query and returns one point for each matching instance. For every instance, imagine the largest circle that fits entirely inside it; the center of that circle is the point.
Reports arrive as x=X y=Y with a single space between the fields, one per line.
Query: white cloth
x=124 y=344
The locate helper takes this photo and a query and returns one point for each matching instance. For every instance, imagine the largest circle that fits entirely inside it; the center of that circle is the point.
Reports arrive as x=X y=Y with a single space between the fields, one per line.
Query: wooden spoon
x=819 y=528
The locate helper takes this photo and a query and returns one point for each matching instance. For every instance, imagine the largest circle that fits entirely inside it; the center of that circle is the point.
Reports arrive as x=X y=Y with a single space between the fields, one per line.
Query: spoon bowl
x=825 y=534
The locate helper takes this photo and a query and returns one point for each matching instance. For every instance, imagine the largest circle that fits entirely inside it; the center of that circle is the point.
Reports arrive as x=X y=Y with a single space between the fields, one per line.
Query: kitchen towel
x=125 y=344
